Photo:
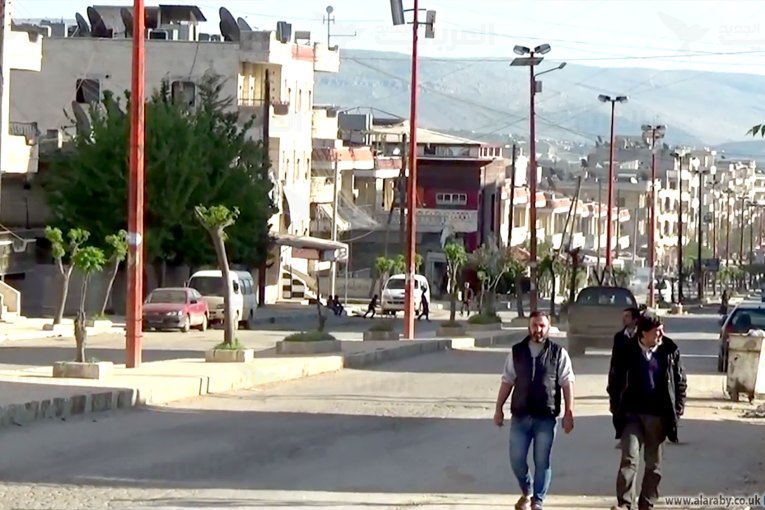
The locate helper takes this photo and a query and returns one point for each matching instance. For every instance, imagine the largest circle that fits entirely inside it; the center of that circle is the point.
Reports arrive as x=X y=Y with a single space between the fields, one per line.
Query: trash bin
x=746 y=366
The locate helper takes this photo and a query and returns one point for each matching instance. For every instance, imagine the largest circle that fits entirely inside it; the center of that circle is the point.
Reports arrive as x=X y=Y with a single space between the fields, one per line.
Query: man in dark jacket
x=539 y=375
x=646 y=389
x=630 y=318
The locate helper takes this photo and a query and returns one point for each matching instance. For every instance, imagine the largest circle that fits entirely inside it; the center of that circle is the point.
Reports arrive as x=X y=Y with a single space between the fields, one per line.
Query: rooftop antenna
x=329 y=20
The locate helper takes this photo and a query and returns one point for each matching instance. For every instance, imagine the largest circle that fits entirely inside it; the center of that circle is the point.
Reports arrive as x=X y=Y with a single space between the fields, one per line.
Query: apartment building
x=82 y=60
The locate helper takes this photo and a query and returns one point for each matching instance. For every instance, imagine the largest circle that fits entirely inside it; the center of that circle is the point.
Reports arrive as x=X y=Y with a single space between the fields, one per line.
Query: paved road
x=410 y=433
x=158 y=346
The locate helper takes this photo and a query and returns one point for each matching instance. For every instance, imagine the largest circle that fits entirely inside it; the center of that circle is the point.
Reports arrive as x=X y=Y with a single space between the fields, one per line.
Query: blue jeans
x=542 y=431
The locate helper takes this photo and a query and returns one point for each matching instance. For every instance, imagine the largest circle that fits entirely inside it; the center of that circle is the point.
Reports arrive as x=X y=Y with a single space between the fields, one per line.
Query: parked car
x=596 y=316
x=744 y=317
x=209 y=283
x=175 y=308
x=393 y=294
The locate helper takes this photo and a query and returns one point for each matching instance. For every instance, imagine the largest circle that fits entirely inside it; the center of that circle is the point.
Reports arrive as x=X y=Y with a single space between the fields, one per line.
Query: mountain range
x=489 y=98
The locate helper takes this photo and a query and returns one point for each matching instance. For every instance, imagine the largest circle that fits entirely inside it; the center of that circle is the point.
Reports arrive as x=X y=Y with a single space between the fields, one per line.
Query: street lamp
x=609 y=226
x=397 y=14
x=699 y=235
x=656 y=132
x=532 y=60
x=680 y=155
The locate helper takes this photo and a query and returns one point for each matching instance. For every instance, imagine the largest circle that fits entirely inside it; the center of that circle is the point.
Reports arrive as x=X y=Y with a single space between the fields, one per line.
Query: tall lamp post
x=656 y=132
x=700 y=230
x=531 y=61
x=397 y=14
x=610 y=200
x=133 y=322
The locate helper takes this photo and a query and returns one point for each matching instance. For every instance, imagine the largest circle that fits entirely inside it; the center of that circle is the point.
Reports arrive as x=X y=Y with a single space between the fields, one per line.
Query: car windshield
x=208 y=285
x=167 y=296
x=615 y=296
x=396 y=284
x=744 y=319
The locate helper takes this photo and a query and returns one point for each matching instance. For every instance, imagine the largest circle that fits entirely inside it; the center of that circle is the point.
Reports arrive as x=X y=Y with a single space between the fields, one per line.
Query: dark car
x=744 y=317
x=175 y=308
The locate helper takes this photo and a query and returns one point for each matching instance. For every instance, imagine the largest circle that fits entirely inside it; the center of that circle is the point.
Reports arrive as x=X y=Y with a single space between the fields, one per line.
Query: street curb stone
x=239 y=376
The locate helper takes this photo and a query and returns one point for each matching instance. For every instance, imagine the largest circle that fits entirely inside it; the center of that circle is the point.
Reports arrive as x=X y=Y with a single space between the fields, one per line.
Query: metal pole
x=532 y=187
x=335 y=200
x=5 y=74
x=652 y=226
x=714 y=240
x=741 y=230
x=600 y=220
x=680 y=278
x=411 y=195
x=727 y=229
x=700 y=239
x=510 y=218
x=135 y=194
x=347 y=263
x=609 y=213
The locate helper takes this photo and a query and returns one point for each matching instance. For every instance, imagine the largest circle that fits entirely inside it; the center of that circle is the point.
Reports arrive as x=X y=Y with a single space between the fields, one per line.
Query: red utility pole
x=610 y=200
x=135 y=192
x=411 y=190
x=652 y=231
x=533 y=298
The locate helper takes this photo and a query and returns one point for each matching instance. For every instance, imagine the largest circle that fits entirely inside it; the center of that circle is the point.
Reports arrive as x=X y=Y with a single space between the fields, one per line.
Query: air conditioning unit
x=204 y=37
x=159 y=34
x=216 y=38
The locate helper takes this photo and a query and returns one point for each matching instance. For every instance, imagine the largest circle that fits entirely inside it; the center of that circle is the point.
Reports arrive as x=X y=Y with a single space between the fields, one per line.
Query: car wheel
x=203 y=325
x=186 y=325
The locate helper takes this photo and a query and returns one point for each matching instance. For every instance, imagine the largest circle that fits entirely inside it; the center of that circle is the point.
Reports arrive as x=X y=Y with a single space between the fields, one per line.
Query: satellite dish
x=98 y=27
x=127 y=20
x=243 y=25
x=82 y=119
x=330 y=9
x=228 y=26
x=83 y=29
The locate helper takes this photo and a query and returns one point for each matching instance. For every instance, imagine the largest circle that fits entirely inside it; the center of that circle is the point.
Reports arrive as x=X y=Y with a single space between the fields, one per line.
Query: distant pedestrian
x=537 y=371
x=646 y=389
x=467 y=297
x=425 y=312
x=371 y=307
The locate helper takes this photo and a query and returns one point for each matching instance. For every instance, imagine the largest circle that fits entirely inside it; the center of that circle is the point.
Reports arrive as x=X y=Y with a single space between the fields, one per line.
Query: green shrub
x=482 y=318
x=234 y=346
x=384 y=325
x=309 y=336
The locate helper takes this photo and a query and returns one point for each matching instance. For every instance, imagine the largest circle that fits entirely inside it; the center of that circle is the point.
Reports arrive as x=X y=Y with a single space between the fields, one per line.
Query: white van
x=393 y=295
x=209 y=283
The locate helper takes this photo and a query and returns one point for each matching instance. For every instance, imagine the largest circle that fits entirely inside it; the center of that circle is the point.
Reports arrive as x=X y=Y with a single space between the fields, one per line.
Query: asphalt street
x=417 y=432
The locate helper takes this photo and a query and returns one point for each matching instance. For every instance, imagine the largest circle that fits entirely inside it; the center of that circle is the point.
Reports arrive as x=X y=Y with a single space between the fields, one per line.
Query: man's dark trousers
x=641 y=431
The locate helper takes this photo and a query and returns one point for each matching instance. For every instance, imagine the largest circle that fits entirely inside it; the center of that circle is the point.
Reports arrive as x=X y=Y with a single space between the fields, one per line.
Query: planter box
x=381 y=335
x=320 y=347
x=450 y=331
x=74 y=370
x=99 y=323
x=229 y=356
x=496 y=326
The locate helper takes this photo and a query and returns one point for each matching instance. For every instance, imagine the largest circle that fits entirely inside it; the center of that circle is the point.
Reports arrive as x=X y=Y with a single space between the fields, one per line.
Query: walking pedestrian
x=467 y=297
x=425 y=306
x=537 y=371
x=646 y=389
x=371 y=307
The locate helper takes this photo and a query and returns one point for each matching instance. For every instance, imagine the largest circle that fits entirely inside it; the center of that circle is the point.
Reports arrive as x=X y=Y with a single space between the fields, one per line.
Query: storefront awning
x=313 y=248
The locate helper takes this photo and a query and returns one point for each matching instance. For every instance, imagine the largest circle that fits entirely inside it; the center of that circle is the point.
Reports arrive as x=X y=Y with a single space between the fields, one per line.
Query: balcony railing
x=435 y=220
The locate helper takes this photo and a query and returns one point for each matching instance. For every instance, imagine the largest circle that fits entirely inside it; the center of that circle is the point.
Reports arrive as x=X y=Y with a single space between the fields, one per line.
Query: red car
x=175 y=308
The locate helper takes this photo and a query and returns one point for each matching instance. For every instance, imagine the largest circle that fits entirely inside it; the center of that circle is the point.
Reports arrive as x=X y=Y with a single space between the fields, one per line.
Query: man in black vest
x=646 y=389
x=630 y=318
x=537 y=371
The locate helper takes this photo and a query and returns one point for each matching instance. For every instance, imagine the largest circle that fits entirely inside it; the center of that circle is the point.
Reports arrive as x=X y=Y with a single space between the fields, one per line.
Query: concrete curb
x=43 y=335
x=177 y=380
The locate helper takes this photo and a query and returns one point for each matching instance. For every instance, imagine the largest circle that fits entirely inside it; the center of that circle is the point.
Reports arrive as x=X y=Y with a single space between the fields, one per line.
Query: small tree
x=492 y=263
x=88 y=260
x=383 y=265
x=64 y=251
x=456 y=258
x=216 y=219
x=118 y=251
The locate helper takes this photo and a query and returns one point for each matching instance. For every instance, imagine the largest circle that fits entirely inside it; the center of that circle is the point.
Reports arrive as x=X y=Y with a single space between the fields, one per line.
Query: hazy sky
x=726 y=36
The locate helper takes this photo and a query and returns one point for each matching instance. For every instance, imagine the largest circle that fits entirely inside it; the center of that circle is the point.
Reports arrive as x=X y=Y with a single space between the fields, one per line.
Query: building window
x=183 y=93
x=451 y=199
x=88 y=90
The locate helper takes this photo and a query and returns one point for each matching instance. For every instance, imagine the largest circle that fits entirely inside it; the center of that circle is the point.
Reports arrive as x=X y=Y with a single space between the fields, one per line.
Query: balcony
x=435 y=220
x=17 y=255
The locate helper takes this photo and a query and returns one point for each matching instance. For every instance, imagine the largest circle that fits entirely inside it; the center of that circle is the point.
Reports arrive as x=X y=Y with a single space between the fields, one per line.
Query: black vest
x=536 y=391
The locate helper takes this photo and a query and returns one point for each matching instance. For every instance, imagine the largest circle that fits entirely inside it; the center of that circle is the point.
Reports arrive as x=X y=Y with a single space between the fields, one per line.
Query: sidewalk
x=27 y=328
x=33 y=395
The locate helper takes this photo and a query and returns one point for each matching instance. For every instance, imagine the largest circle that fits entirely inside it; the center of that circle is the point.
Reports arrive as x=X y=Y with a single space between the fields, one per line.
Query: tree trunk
x=109 y=287
x=322 y=320
x=452 y=298
x=84 y=292
x=229 y=328
x=552 y=294
x=519 y=295
x=80 y=336
x=65 y=275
